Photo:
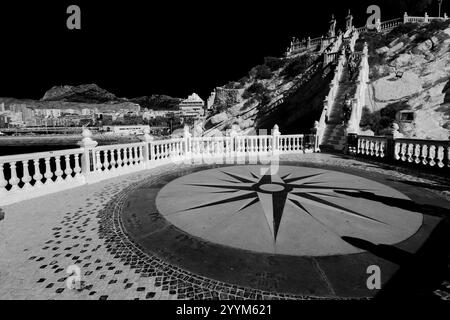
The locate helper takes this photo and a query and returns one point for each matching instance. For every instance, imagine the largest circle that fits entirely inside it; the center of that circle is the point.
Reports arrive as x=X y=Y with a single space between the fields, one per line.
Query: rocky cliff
x=247 y=104
x=410 y=71
x=91 y=96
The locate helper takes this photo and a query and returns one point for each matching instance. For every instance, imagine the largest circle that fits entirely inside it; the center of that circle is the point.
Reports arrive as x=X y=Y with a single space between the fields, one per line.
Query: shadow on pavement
x=420 y=273
x=404 y=204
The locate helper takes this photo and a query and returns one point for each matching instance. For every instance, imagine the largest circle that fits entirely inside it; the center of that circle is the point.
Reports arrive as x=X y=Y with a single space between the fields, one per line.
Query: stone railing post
x=405 y=18
x=88 y=165
x=426 y=18
x=390 y=147
x=351 y=143
x=234 y=144
x=275 y=140
x=316 y=131
x=445 y=16
x=148 y=148
x=187 y=143
x=308 y=43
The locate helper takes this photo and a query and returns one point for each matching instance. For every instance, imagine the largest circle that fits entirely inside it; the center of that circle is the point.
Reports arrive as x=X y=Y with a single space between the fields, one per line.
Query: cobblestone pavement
x=42 y=237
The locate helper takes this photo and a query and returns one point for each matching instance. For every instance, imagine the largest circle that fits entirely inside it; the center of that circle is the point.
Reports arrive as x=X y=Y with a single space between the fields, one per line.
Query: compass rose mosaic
x=294 y=211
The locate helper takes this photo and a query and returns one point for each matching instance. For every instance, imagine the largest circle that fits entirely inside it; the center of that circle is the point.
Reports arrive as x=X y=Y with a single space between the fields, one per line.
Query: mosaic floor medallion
x=295 y=211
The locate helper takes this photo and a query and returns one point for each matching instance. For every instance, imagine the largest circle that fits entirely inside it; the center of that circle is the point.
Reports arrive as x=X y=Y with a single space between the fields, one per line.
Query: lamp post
x=440 y=3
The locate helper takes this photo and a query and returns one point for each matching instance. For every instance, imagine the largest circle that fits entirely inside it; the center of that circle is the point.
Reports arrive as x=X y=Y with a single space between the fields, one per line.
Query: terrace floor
x=308 y=231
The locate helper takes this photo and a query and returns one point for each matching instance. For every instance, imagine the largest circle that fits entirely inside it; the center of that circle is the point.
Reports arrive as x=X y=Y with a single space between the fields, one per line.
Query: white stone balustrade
x=423 y=152
x=32 y=175
x=424 y=19
x=429 y=153
x=372 y=146
x=384 y=26
x=39 y=173
x=390 y=24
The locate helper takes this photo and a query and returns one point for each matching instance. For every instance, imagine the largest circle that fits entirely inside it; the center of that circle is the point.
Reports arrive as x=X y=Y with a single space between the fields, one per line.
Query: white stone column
x=275 y=140
x=405 y=18
x=148 y=148
x=88 y=158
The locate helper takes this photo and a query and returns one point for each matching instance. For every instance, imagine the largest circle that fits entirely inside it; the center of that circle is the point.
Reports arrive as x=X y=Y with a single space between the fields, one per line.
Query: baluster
x=417 y=153
x=48 y=172
x=372 y=147
x=112 y=162
x=288 y=146
x=397 y=151
x=403 y=151
x=119 y=158
x=58 y=171
x=425 y=154
x=377 y=148
x=432 y=155
x=14 y=181
x=37 y=177
x=440 y=156
x=26 y=178
x=98 y=162
x=68 y=170
x=382 y=148
x=368 y=146
x=359 y=148
x=410 y=152
x=77 y=168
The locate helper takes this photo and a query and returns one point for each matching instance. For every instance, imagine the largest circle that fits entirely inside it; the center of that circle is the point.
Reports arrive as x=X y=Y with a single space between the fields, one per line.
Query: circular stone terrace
x=308 y=229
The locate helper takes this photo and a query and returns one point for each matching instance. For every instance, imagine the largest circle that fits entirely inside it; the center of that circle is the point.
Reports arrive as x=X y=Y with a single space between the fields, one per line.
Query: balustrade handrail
x=372 y=137
x=411 y=140
x=119 y=146
x=415 y=152
x=39 y=155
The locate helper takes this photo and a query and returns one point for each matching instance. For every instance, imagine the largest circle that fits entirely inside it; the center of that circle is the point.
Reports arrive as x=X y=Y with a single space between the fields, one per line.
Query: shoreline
x=61 y=140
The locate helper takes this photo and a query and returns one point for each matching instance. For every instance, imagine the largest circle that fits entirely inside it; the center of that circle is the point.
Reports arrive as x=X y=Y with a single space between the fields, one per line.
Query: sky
x=136 y=48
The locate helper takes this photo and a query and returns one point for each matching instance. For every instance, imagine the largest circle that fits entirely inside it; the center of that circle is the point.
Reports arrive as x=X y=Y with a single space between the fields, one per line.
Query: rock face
x=393 y=88
x=157 y=102
x=227 y=97
x=218 y=118
x=91 y=96
x=419 y=77
x=86 y=93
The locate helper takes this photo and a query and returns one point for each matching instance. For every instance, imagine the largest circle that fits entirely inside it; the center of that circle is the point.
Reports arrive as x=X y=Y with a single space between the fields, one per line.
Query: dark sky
x=135 y=48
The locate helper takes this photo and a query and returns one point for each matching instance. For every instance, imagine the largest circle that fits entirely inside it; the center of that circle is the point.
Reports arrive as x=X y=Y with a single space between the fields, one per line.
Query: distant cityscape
x=16 y=117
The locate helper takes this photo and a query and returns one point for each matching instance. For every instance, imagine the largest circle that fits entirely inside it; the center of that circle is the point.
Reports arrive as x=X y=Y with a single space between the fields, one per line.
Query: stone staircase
x=334 y=135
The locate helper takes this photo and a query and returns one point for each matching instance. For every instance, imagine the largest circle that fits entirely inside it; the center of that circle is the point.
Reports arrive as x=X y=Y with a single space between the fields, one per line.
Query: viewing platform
x=168 y=220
